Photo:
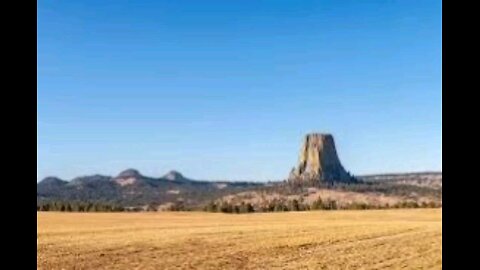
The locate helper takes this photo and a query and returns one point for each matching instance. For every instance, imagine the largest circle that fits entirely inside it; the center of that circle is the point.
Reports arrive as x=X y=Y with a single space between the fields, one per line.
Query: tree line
x=298 y=205
x=73 y=206
x=275 y=205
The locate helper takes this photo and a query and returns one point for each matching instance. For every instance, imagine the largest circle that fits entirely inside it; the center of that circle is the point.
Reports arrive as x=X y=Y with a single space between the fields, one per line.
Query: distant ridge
x=403 y=174
x=130 y=187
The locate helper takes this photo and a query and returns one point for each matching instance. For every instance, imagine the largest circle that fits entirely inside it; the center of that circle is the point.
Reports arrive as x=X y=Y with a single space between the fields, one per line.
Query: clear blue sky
x=227 y=89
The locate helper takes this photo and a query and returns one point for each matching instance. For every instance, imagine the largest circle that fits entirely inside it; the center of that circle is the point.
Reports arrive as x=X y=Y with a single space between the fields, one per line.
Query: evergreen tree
x=317 y=204
x=294 y=205
x=249 y=208
x=211 y=207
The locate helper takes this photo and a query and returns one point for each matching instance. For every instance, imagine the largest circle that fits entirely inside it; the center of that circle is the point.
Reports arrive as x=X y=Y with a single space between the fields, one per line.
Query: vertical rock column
x=319 y=162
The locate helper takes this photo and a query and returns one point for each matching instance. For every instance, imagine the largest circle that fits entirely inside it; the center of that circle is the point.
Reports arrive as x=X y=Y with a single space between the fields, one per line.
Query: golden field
x=370 y=239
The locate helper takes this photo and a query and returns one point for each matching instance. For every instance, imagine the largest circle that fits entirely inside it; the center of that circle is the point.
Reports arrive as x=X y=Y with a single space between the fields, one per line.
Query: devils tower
x=318 y=162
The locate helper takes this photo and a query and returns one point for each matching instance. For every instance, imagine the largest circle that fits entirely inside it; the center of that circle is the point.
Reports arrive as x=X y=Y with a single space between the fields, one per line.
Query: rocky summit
x=318 y=162
x=174 y=176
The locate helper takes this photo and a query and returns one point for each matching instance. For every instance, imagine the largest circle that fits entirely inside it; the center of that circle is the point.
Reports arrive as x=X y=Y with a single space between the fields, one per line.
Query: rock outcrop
x=174 y=176
x=318 y=162
x=129 y=173
x=128 y=177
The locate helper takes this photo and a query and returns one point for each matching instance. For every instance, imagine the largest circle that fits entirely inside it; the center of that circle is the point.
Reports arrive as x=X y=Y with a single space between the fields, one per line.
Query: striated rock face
x=318 y=162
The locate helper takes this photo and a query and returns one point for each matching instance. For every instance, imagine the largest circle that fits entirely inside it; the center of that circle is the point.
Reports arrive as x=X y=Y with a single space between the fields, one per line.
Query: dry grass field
x=372 y=239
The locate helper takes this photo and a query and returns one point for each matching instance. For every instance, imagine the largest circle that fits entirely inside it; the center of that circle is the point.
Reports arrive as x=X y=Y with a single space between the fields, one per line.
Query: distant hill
x=424 y=179
x=130 y=188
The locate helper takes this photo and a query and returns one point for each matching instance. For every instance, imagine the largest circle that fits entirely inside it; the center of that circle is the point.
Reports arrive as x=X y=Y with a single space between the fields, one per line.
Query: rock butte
x=318 y=162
